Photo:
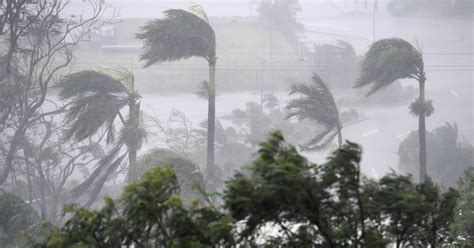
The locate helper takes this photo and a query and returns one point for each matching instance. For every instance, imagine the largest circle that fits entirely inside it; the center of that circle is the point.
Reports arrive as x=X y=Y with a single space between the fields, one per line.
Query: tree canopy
x=281 y=199
x=179 y=35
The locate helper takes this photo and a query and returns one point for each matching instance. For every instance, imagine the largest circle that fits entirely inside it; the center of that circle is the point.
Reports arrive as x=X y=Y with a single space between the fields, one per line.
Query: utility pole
x=373 y=20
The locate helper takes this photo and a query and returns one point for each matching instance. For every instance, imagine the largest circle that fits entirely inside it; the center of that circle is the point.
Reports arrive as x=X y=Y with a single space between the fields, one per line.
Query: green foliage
x=189 y=177
x=96 y=101
x=447 y=158
x=16 y=217
x=333 y=205
x=387 y=61
x=148 y=214
x=463 y=226
x=179 y=35
x=325 y=211
x=282 y=200
x=419 y=107
x=317 y=104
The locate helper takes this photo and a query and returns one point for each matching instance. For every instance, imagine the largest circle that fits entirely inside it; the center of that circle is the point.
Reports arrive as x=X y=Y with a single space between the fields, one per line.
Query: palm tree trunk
x=132 y=148
x=422 y=133
x=211 y=118
x=339 y=136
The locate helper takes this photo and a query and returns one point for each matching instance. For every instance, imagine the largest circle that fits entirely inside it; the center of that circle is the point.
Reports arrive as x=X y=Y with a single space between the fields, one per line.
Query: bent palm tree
x=317 y=104
x=182 y=35
x=389 y=60
x=97 y=101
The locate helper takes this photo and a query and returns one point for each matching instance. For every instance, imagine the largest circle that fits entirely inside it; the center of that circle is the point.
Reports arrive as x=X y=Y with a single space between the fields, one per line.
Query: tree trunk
x=132 y=148
x=211 y=119
x=12 y=149
x=422 y=133
x=339 y=135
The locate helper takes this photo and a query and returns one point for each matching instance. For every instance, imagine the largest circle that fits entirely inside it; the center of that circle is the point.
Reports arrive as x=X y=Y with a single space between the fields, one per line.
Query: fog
x=96 y=92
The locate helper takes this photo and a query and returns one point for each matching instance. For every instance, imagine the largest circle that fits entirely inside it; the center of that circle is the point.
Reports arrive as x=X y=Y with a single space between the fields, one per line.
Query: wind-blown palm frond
x=386 y=61
x=102 y=166
x=99 y=183
x=96 y=100
x=89 y=82
x=179 y=35
x=270 y=101
x=317 y=104
x=124 y=75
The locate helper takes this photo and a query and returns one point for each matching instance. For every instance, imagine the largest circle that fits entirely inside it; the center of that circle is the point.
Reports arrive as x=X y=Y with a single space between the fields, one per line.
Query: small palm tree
x=317 y=104
x=182 y=35
x=389 y=60
x=97 y=101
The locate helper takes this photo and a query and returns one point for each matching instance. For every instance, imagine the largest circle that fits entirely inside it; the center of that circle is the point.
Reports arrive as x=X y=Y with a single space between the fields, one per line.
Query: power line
x=293 y=53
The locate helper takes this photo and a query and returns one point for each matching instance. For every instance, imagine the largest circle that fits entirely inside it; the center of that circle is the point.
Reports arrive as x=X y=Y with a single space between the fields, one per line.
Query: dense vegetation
x=69 y=137
x=280 y=199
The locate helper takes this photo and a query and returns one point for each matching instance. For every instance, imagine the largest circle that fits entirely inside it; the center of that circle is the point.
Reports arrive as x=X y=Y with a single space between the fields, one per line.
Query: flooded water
x=379 y=134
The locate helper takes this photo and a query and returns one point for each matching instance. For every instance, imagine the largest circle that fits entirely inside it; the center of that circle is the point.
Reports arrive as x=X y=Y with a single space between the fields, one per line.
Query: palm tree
x=182 y=35
x=389 y=60
x=317 y=104
x=97 y=101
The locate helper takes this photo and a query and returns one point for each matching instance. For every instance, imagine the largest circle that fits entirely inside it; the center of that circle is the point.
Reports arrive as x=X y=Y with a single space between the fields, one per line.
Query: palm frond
x=88 y=114
x=85 y=82
x=418 y=108
x=99 y=183
x=96 y=100
x=386 y=61
x=322 y=141
x=317 y=104
x=179 y=35
x=270 y=101
x=123 y=75
x=102 y=166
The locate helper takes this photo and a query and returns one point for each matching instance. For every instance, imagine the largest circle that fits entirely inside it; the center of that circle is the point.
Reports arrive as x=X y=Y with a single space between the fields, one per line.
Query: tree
x=48 y=163
x=280 y=199
x=148 y=214
x=188 y=175
x=446 y=149
x=15 y=216
x=389 y=60
x=97 y=101
x=317 y=104
x=329 y=210
x=463 y=225
x=40 y=39
x=182 y=35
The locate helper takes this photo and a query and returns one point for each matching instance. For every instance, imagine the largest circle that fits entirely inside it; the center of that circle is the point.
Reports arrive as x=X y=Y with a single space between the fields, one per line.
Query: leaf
x=179 y=35
x=387 y=61
x=317 y=104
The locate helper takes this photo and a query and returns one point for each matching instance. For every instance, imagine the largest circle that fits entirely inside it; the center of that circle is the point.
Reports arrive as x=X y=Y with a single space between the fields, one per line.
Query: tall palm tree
x=389 y=60
x=97 y=101
x=182 y=35
x=317 y=104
